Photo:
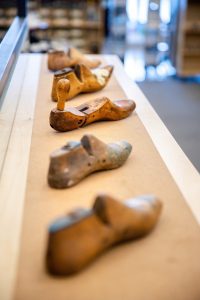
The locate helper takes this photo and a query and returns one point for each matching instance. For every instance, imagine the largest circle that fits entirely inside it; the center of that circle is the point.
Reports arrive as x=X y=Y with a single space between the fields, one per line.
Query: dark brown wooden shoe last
x=79 y=237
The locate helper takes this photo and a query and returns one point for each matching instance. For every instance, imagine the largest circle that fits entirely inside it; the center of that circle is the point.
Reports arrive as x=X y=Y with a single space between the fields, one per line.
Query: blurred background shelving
x=187 y=57
x=7 y=13
x=61 y=23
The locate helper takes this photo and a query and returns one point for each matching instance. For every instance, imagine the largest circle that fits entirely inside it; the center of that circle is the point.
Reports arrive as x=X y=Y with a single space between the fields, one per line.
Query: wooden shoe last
x=97 y=110
x=58 y=60
x=79 y=237
x=79 y=80
x=76 y=160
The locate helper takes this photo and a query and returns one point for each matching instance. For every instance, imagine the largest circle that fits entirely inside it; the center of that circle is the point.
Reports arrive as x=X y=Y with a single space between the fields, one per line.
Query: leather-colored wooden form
x=58 y=60
x=76 y=160
x=79 y=237
x=62 y=119
x=80 y=80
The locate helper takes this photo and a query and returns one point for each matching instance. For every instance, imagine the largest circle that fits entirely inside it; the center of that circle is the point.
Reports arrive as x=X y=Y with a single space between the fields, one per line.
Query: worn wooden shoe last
x=62 y=119
x=58 y=60
x=76 y=160
x=80 y=80
x=78 y=238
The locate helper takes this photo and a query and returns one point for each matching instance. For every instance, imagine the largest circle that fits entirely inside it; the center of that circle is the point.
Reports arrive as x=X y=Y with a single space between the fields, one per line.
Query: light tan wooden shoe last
x=76 y=239
x=58 y=60
x=76 y=160
x=80 y=80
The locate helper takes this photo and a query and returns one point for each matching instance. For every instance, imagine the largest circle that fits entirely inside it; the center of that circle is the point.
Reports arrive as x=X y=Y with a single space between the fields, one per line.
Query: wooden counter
x=16 y=122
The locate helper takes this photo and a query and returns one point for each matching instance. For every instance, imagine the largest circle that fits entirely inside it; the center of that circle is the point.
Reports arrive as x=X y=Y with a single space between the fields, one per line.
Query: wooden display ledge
x=16 y=121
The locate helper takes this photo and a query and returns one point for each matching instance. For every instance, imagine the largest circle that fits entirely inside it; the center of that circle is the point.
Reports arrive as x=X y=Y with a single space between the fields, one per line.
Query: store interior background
x=147 y=35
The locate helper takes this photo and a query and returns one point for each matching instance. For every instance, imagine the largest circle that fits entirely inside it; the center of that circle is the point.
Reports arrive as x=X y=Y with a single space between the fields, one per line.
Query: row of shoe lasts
x=109 y=221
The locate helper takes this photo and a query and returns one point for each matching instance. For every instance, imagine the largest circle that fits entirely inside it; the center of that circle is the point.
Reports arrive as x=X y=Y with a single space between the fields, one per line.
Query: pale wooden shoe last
x=58 y=60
